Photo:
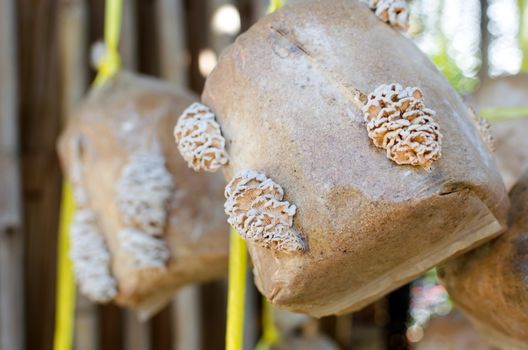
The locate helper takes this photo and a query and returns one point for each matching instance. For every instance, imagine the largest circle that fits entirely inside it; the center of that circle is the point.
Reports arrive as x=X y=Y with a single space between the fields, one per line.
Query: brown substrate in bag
x=288 y=97
x=127 y=118
x=491 y=283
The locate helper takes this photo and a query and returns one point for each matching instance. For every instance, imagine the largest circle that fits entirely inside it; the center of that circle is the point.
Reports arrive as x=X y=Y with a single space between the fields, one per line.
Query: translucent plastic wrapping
x=491 y=283
x=289 y=98
x=162 y=223
x=498 y=98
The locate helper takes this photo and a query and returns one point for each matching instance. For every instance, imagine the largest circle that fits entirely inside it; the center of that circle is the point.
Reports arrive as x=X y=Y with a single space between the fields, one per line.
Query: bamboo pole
x=128 y=46
x=11 y=271
x=186 y=312
x=484 y=40
x=218 y=40
x=137 y=332
x=73 y=56
x=173 y=67
x=260 y=8
x=173 y=52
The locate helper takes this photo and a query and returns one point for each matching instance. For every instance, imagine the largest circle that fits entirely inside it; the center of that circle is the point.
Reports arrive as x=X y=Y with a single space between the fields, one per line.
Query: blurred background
x=46 y=52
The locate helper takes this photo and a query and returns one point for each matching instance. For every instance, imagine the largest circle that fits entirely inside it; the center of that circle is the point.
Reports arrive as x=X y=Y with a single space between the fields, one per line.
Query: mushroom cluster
x=144 y=188
x=398 y=121
x=256 y=210
x=199 y=139
x=88 y=249
x=91 y=259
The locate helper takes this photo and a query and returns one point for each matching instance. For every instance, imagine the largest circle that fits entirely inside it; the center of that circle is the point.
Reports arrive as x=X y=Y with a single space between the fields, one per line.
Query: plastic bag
x=491 y=283
x=161 y=224
x=333 y=217
x=501 y=96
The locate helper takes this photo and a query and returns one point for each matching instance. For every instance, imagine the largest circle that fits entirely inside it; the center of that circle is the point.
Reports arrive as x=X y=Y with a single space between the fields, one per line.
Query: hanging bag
x=353 y=166
x=145 y=223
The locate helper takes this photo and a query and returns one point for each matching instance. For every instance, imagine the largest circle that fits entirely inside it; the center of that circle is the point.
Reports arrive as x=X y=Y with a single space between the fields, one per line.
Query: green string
x=523 y=33
x=495 y=114
x=275 y=5
x=111 y=62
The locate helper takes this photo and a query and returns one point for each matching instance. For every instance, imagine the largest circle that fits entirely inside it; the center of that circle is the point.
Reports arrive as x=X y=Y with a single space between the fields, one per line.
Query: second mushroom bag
x=353 y=165
x=501 y=95
x=491 y=283
x=145 y=223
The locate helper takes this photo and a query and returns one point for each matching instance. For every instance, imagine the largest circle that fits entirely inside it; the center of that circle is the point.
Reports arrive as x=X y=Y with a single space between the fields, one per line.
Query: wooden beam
x=186 y=311
x=484 y=40
x=174 y=58
x=11 y=263
x=137 y=334
x=10 y=217
x=39 y=117
x=129 y=46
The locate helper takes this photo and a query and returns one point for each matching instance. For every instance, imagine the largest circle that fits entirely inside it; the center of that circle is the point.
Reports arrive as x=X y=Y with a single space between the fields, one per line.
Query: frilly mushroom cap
x=398 y=121
x=393 y=12
x=163 y=223
x=90 y=257
x=199 y=139
x=288 y=96
x=256 y=210
x=143 y=190
x=491 y=283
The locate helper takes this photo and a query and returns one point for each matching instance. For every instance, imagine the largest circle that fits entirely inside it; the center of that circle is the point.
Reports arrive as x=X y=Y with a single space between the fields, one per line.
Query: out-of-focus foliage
x=448 y=31
x=428 y=299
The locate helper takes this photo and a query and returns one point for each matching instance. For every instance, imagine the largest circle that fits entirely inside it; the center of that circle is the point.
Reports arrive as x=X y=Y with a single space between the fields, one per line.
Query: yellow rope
x=111 y=62
x=275 y=5
x=504 y=113
x=65 y=298
x=65 y=302
x=523 y=33
x=236 y=292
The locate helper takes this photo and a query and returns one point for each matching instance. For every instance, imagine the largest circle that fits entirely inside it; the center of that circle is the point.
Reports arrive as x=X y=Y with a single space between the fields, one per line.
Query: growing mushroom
x=353 y=165
x=149 y=224
x=491 y=283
